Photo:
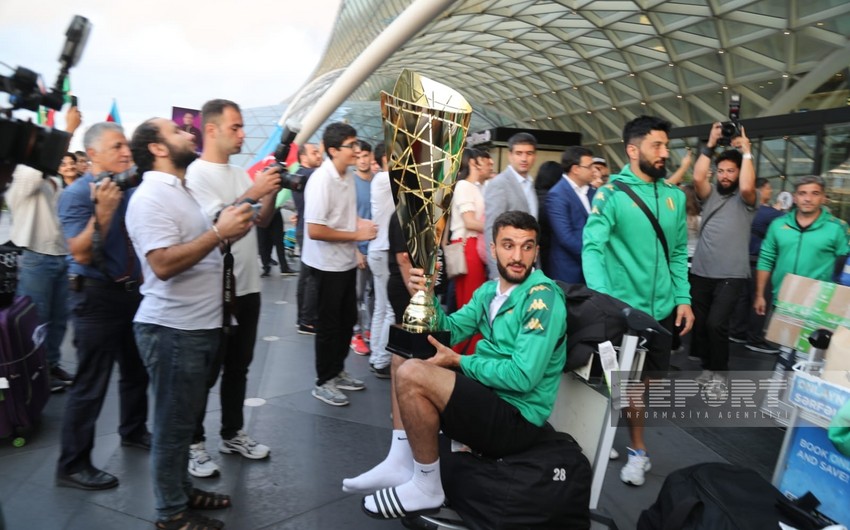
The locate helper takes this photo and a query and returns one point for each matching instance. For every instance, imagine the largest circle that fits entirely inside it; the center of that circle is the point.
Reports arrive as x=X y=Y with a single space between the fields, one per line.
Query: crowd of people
x=132 y=267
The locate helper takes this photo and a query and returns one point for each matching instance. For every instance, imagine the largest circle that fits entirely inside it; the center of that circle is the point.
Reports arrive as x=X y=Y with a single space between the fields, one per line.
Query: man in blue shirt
x=104 y=275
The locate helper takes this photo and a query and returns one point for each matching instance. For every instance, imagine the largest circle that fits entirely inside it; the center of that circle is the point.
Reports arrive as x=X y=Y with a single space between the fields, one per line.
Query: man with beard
x=623 y=257
x=497 y=401
x=178 y=324
x=721 y=265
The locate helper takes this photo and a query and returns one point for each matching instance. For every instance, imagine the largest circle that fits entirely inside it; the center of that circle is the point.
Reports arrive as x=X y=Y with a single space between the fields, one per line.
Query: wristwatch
x=707 y=151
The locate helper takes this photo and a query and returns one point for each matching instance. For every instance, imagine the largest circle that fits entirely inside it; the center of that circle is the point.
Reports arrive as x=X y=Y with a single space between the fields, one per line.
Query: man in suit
x=511 y=189
x=567 y=208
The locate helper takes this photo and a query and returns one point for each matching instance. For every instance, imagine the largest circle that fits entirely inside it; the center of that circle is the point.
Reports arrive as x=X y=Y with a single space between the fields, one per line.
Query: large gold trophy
x=425 y=125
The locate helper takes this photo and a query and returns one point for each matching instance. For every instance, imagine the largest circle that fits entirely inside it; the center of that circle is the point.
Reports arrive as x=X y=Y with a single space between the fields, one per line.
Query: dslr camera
x=124 y=180
x=23 y=142
x=731 y=128
x=288 y=181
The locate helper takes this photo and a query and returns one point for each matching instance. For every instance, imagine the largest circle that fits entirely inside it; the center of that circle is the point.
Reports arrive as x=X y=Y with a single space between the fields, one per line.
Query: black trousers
x=307 y=296
x=103 y=334
x=337 y=303
x=272 y=237
x=713 y=303
x=235 y=353
x=746 y=324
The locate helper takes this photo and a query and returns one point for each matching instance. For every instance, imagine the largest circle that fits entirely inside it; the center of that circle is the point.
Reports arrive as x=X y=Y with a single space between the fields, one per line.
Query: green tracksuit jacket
x=621 y=254
x=522 y=354
x=809 y=252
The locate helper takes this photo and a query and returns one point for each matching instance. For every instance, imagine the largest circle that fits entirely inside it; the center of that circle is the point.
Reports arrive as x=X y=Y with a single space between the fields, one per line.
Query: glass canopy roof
x=590 y=66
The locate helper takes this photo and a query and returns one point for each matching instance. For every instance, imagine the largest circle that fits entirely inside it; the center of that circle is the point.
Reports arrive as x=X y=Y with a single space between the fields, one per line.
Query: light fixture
x=785 y=75
x=613 y=108
x=670 y=64
x=787 y=31
x=601 y=82
x=643 y=103
x=632 y=74
x=679 y=96
x=725 y=87
x=590 y=112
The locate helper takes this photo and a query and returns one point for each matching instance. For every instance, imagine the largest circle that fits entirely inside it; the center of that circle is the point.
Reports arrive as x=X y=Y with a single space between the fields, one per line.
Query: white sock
x=424 y=491
x=397 y=468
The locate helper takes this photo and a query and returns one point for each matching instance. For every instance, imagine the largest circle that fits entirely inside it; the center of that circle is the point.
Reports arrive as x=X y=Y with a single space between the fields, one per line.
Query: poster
x=189 y=120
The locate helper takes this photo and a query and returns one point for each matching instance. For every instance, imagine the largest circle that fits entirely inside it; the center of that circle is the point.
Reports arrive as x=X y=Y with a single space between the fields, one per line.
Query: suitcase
x=24 y=385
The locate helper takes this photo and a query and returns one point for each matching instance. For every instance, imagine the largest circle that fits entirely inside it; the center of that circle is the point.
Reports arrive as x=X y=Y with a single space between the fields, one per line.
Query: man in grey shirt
x=721 y=267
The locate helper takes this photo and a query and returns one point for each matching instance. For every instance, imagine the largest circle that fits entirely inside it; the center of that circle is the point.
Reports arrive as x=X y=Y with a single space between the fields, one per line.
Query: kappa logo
x=537 y=304
x=534 y=324
x=537 y=288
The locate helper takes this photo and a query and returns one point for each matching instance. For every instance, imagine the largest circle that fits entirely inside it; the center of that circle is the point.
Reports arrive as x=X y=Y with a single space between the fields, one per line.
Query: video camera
x=731 y=128
x=289 y=181
x=23 y=142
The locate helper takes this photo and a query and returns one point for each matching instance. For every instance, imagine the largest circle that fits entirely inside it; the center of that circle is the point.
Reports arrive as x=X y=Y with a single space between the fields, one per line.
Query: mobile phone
x=74 y=101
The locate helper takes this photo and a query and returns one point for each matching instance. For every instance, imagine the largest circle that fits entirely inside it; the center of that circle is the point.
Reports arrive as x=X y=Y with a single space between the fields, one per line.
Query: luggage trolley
x=583 y=409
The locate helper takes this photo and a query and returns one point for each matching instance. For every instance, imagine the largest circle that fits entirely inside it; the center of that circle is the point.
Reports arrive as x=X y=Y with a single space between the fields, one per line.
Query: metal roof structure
x=589 y=66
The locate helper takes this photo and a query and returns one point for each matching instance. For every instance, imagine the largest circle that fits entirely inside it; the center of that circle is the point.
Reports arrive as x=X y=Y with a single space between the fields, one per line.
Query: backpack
x=592 y=318
x=547 y=486
x=717 y=496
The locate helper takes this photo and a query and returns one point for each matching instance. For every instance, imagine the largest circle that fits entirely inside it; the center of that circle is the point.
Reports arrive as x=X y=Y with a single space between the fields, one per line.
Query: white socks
x=397 y=468
x=423 y=492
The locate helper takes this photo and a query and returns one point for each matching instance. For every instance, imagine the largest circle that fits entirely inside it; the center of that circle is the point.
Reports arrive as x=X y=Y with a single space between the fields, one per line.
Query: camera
x=124 y=180
x=731 y=128
x=23 y=142
x=288 y=181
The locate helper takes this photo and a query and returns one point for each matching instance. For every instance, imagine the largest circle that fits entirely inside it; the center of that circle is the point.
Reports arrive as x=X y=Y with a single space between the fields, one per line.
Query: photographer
x=721 y=266
x=43 y=273
x=104 y=275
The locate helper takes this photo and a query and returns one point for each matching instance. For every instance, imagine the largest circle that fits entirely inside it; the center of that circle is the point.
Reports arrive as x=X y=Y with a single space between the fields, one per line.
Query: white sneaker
x=634 y=470
x=200 y=463
x=245 y=446
x=705 y=377
x=614 y=454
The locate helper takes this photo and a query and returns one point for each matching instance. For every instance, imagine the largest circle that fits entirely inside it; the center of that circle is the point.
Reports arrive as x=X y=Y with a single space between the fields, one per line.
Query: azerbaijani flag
x=113 y=113
x=47 y=117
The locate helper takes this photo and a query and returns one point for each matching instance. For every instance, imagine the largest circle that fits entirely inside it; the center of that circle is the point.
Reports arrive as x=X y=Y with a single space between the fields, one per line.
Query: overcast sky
x=156 y=54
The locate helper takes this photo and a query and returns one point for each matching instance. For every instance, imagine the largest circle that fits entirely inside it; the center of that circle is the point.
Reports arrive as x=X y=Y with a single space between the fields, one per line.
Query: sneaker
x=705 y=377
x=265 y=273
x=288 y=272
x=762 y=347
x=330 y=394
x=635 y=469
x=613 y=455
x=359 y=345
x=245 y=446
x=200 y=463
x=305 y=329
x=61 y=375
x=381 y=373
x=367 y=336
x=737 y=340
x=344 y=381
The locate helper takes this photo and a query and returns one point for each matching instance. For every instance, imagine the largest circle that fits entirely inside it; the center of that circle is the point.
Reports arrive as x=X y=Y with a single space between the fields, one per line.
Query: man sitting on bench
x=496 y=401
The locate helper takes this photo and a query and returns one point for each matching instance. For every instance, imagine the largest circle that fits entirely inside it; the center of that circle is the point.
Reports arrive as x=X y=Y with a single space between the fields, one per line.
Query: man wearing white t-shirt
x=383 y=208
x=332 y=230
x=215 y=184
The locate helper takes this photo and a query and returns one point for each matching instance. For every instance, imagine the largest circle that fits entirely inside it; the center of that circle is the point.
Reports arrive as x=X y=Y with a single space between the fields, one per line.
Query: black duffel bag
x=544 y=487
x=717 y=496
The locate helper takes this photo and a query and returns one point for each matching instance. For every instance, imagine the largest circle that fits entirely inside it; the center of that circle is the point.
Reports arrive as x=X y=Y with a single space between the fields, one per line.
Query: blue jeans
x=44 y=279
x=178 y=362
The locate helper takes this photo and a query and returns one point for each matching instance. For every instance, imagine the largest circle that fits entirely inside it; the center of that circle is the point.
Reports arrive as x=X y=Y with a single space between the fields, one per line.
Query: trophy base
x=412 y=345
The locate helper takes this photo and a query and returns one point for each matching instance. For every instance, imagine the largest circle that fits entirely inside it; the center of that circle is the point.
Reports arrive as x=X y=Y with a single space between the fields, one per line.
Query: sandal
x=189 y=521
x=208 y=500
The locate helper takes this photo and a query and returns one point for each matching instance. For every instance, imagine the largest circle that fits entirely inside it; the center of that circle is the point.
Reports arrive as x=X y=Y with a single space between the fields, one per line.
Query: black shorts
x=479 y=418
x=657 y=362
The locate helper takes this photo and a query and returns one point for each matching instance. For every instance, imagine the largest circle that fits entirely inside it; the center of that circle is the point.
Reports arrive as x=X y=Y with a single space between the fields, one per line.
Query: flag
x=66 y=88
x=46 y=117
x=113 y=113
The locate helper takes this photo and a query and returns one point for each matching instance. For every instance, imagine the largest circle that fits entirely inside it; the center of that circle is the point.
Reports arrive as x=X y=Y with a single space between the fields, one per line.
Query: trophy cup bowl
x=425 y=126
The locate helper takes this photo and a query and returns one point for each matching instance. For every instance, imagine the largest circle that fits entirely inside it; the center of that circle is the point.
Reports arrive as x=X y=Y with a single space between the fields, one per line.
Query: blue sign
x=814 y=464
x=817 y=396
